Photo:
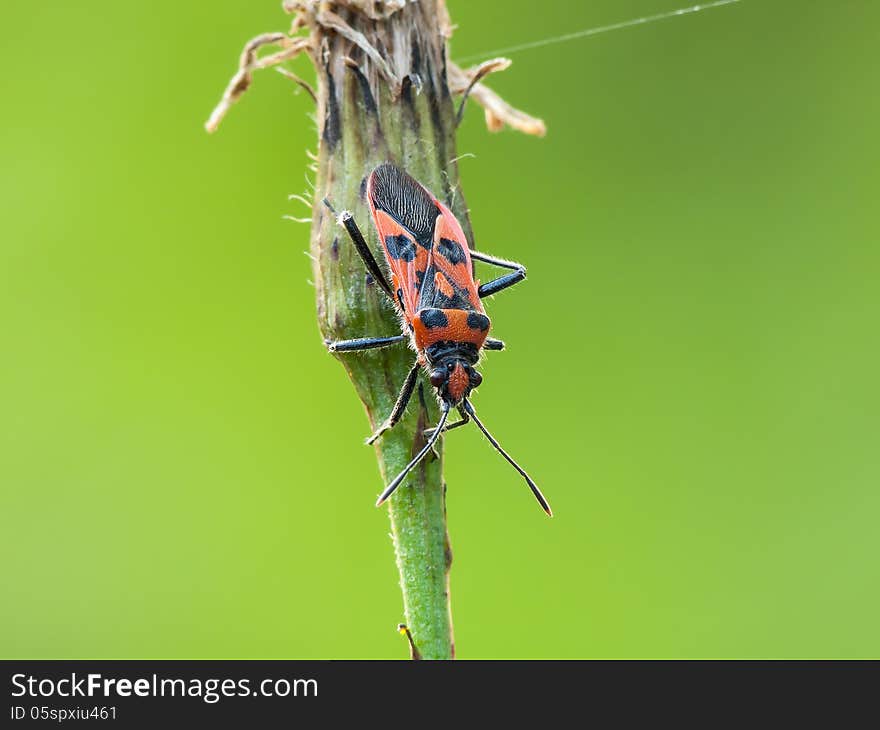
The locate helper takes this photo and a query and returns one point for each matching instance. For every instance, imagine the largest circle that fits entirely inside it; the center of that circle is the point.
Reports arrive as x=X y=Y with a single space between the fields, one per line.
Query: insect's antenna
x=534 y=487
x=438 y=429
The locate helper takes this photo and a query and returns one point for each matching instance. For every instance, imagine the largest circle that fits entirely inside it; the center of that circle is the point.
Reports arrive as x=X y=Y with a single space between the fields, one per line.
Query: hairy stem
x=370 y=113
x=384 y=92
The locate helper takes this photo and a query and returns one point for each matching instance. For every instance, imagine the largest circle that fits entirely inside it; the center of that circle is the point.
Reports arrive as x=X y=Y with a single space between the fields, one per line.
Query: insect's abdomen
x=450 y=325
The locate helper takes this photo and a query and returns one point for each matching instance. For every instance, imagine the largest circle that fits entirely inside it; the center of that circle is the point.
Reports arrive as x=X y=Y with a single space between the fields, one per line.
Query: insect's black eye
x=438 y=377
x=476 y=378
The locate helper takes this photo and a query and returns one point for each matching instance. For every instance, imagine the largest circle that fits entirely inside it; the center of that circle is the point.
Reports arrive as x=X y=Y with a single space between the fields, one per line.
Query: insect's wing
x=404 y=213
x=449 y=276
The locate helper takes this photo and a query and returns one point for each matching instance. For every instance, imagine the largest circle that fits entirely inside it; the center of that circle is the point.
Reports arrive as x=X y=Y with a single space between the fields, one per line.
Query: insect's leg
x=357 y=238
x=492 y=344
x=390 y=489
x=495 y=261
x=364 y=343
x=465 y=418
x=400 y=406
x=502 y=282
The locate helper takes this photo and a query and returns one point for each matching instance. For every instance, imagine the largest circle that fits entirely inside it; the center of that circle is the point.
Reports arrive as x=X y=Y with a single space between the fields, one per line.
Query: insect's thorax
x=435 y=331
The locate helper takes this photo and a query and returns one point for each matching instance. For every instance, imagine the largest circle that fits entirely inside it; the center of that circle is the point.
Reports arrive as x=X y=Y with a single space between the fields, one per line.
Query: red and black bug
x=438 y=300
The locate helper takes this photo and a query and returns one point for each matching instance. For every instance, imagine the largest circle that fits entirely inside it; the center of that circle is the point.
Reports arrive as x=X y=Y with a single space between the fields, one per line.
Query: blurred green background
x=691 y=370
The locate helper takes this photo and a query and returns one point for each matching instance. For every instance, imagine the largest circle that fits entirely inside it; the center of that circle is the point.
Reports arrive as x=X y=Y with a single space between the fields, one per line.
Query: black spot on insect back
x=433 y=318
x=458 y=300
x=404 y=199
x=448 y=295
x=477 y=321
x=400 y=247
x=451 y=250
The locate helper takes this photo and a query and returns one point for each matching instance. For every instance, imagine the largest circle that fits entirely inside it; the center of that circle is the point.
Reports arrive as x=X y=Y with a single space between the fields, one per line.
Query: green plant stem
x=385 y=89
x=365 y=120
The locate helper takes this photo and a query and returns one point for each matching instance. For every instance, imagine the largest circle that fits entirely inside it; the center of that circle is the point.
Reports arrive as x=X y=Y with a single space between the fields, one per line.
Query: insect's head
x=454 y=378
